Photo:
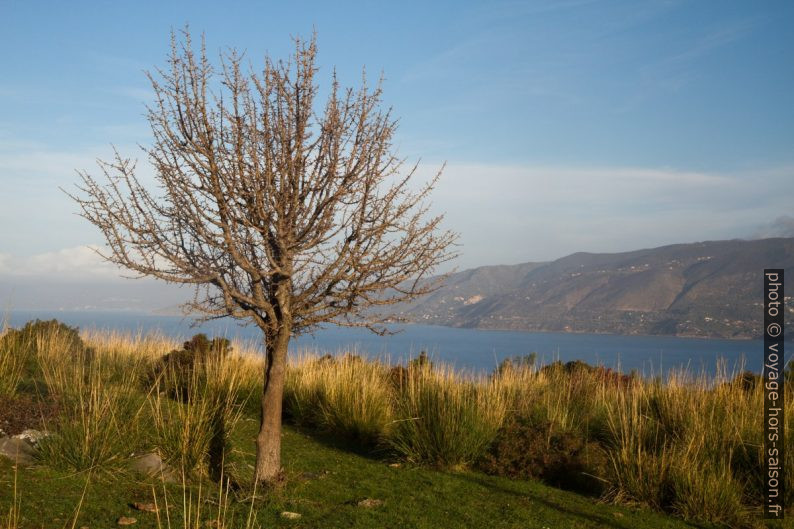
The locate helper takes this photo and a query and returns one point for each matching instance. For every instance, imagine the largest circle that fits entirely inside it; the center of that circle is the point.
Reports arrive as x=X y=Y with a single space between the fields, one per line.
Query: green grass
x=325 y=483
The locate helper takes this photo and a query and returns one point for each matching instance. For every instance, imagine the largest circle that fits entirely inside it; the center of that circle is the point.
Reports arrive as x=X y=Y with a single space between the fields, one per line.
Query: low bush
x=517 y=363
x=528 y=447
x=175 y=371
x=19 y=350
x=746 y=381
x=420 y=362
x=37 y=335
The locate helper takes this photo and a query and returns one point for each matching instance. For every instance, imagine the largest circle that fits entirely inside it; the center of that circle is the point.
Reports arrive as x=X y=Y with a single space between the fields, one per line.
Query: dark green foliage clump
x=747 y=380
x=529 y=448
x=399 y=375
x=421 y=362
x=29 y=337
x=27 y=341
x=517 y=363
x=180 y=368
x=579 y=371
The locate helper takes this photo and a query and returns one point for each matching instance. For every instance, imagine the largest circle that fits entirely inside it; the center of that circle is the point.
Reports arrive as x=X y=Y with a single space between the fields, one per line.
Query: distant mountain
x=707 y=289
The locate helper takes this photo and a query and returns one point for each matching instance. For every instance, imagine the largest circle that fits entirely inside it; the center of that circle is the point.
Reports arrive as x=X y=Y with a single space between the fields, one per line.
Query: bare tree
x=279 y=212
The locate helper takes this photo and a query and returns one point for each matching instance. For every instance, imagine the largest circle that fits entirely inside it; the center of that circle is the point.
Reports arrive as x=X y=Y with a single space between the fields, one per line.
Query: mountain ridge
x=709 y=289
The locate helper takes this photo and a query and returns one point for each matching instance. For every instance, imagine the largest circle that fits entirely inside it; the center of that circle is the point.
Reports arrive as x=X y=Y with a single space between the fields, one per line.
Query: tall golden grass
x=99 y=402
x=444 y=418
x=187 y=432
x=12 y=364
x=346 y=396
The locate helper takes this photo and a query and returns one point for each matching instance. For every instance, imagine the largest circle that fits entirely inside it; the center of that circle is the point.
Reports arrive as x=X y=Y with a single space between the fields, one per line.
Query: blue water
x=469 y=349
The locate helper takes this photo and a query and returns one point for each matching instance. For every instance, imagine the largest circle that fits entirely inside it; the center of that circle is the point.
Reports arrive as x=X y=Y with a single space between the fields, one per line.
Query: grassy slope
x=325 y=482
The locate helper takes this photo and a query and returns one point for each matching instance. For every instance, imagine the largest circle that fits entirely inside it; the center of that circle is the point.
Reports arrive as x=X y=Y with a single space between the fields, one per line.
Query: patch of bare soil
x=25 y=412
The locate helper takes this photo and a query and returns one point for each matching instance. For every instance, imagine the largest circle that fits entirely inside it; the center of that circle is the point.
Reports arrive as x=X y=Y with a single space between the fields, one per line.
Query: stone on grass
x=145 y=507
x=369 y=503
x=290 y=515
x=152 y=465
x=17 y=450
x=125 y=520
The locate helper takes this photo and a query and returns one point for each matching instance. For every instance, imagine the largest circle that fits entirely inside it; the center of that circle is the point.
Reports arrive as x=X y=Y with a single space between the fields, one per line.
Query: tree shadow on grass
x=606 y=521
x=343 y=443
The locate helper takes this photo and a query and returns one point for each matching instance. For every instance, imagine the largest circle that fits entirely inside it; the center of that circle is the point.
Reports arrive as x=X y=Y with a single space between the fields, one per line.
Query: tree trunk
x=268 y=442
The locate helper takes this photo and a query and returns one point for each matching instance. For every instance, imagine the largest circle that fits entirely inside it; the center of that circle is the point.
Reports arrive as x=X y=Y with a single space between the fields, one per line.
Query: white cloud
x=545 y=185
x=81 y=262
x=509 y=214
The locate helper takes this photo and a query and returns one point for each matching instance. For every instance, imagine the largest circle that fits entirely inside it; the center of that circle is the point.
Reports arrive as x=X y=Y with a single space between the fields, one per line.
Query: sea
x=470 y=350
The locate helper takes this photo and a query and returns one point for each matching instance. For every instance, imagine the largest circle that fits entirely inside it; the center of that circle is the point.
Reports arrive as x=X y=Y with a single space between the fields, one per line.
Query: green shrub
x=175 y=371
x=420 y=362
x=526 y=447
x=19 y=349
x=746 y=381
x=517 y=363
x=31 y=336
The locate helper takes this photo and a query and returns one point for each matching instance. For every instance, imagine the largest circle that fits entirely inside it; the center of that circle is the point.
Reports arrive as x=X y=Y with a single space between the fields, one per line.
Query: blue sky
x=566 y=126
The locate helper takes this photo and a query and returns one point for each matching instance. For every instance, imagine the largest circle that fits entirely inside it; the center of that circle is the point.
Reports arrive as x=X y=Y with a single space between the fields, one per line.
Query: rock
x=290 y=515
x=18 y=450
x=31 y=436
x=369 y=503
x=145 y=507
x=152 y=465
x=395 y=465
x=124 y=520
x=147 y=464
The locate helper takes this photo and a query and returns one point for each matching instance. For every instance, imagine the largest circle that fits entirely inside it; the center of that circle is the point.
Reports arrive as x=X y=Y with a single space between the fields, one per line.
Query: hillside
x=707 y=289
